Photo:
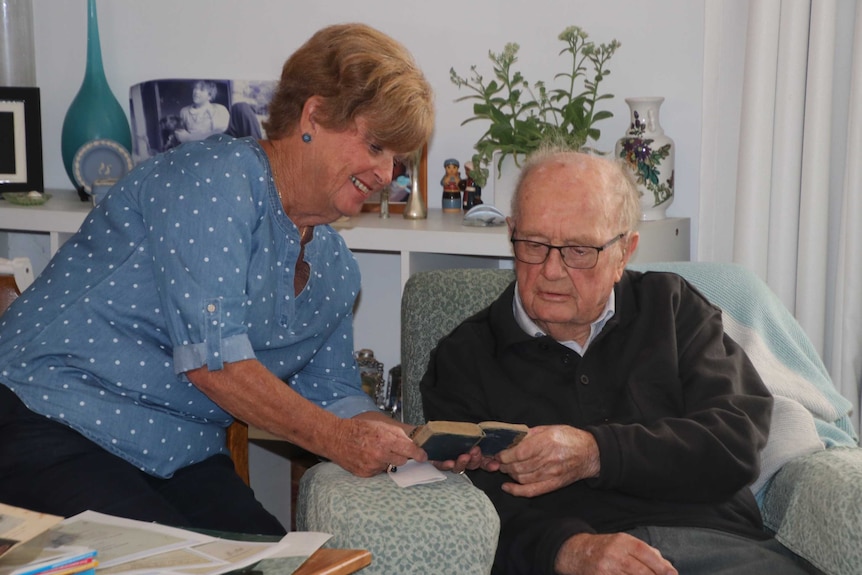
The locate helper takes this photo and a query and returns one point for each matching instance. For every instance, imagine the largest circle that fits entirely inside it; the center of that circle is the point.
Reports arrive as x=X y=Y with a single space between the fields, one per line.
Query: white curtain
x=845 y=349
x=797 y=201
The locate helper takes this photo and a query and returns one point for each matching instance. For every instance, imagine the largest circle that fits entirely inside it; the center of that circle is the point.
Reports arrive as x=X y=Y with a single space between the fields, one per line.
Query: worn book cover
x=445 y=440
x=499 y=436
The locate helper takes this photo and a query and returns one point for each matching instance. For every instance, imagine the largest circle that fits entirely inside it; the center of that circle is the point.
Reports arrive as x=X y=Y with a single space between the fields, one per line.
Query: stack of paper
x=126 y=545
x=61 y=560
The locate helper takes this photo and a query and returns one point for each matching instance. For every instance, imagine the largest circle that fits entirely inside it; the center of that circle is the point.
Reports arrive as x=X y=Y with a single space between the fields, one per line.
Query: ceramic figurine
x=471 y=193
x=451 y=186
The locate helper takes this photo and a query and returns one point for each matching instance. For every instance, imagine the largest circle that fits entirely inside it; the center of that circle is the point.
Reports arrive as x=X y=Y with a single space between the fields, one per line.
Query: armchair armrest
x=813 y=507
x=444 y=527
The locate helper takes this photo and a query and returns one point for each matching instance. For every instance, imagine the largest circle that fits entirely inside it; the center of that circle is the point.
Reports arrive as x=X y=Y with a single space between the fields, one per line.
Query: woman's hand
x=366 y=446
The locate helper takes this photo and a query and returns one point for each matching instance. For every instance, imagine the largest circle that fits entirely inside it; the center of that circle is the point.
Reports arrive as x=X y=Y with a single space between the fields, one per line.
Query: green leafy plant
x=523 y=117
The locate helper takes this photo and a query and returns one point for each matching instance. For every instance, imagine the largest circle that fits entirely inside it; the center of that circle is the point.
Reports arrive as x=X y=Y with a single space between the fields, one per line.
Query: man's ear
x=630 y=244
x=511 y=223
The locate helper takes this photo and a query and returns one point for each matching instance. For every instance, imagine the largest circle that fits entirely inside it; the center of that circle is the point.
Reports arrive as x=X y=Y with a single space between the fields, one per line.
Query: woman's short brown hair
x=357 y=71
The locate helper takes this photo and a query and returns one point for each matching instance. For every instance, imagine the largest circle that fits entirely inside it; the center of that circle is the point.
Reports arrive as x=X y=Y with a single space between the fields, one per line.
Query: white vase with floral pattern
x=650 y=154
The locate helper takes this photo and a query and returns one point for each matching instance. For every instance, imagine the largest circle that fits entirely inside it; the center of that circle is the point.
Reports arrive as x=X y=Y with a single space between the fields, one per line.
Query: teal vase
x=95 y=114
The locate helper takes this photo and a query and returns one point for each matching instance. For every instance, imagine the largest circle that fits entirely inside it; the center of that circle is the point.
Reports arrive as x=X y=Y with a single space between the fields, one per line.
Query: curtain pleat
x=751 y=214
x=811 y=305
x=845 y=365
x=789 y=105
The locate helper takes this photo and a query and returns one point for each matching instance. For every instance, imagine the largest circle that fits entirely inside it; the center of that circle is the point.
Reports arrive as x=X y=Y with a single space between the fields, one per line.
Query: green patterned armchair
x=810 y=496
x=445 y=527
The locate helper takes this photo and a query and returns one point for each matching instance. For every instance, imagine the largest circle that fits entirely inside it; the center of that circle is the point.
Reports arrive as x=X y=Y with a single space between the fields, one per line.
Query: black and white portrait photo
x=167 y=113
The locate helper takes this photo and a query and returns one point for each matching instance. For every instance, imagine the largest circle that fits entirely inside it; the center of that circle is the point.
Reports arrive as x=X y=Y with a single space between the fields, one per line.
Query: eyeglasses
x=577 y=257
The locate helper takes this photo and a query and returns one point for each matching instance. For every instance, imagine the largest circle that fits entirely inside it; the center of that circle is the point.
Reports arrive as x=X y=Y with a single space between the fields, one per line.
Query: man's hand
x=612 y=554
x=473 y=459
x=365 y=447
x=550 y=457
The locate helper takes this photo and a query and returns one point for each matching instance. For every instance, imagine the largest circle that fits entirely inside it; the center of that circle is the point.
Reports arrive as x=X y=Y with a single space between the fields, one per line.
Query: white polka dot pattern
x=188 y=261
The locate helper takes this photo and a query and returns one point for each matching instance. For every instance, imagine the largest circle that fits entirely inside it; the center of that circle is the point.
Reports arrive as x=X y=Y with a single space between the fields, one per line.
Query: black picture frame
x=20 y=140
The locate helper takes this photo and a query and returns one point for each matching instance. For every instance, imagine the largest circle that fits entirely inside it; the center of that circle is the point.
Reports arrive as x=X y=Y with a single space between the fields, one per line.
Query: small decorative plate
x=25 y=198
x=100 y=160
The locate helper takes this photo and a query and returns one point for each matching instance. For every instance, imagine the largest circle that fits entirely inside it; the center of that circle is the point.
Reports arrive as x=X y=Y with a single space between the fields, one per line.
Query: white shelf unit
x=440 y=241
x=389 y=250
x=58 y=218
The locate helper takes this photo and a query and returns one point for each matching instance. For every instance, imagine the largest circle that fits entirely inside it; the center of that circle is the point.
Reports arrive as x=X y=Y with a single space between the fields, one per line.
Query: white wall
x=662 y=54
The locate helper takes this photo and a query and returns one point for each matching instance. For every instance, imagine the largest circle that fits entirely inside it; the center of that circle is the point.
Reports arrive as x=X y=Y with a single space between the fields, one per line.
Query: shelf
x=63 y=213
x=439 y=234
x=59 y=217
x=441 y=241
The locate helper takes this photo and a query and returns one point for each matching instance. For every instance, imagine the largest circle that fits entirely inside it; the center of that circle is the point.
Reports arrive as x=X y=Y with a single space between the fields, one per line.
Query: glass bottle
x=370 y=373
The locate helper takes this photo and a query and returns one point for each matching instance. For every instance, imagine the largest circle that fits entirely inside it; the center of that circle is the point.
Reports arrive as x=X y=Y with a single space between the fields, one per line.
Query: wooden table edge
x=326 y=561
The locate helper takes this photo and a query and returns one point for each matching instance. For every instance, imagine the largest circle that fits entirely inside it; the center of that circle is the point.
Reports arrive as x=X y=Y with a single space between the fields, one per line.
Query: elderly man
x=645 y=419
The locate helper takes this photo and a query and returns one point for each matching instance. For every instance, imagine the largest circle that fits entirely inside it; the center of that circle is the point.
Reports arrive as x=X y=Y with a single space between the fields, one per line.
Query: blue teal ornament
x=95 y=114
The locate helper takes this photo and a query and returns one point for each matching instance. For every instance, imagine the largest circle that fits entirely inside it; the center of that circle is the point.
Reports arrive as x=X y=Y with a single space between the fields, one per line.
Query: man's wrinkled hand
x=548 y=458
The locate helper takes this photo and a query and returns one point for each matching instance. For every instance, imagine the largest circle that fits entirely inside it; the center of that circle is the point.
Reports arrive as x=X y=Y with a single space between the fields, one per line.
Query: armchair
x=451 y=526
x=809 y=495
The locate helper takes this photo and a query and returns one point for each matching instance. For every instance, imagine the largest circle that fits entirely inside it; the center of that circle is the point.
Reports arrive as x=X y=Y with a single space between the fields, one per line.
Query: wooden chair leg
x=237 y=443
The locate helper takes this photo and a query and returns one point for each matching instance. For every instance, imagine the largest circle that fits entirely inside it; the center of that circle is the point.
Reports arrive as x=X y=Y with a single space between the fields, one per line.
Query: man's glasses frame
x=575 y=257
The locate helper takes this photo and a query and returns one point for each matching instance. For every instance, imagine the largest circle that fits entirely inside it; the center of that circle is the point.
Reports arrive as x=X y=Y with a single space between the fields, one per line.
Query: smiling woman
x=403 y=176
x=218 y=256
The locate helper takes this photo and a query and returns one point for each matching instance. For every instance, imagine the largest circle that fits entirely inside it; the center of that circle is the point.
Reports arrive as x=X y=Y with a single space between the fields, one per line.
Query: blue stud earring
x=306 y=137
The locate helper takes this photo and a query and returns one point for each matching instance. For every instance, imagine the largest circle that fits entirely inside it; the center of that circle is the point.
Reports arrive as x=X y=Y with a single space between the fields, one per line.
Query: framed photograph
x=403 y=176
x=20 y=140
x=168 y=112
